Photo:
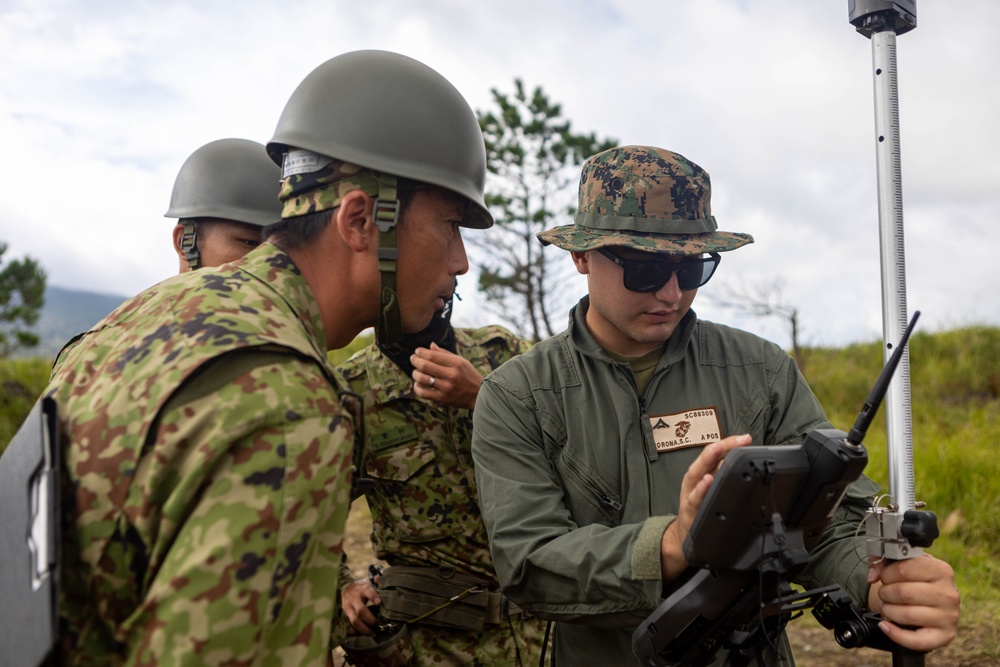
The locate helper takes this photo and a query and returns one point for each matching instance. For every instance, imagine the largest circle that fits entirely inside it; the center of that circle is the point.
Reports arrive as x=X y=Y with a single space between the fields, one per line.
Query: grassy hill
x=955 y=398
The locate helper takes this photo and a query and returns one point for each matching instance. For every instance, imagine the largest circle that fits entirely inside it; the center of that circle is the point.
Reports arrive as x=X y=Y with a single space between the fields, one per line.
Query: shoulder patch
x=353 y=367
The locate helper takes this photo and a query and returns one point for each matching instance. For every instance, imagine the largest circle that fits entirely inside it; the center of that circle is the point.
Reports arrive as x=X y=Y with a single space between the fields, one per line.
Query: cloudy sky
x=101 y=101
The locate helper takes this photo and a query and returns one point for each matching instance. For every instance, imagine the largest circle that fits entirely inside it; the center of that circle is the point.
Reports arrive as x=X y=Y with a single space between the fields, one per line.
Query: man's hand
x=694 y=487
x=355 y=599
x=919 y=593
x=445 y=377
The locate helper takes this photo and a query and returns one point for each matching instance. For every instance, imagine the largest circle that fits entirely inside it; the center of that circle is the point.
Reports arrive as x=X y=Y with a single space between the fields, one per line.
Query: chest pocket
x=589 y=497
x=406 y=501
x=397 y=454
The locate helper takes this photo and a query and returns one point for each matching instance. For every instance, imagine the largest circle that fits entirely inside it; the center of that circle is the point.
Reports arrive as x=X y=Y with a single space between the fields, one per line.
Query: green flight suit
x=578 y=481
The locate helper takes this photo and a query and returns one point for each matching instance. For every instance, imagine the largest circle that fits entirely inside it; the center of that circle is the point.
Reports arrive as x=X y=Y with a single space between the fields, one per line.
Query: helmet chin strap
x=189 y=245
x=385 y=214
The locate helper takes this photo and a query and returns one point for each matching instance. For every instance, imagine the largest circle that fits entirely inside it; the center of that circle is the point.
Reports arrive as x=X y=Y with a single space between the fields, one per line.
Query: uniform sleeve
x=544 y=561
x=794 y=409
x=241 y=504
x=840 y=557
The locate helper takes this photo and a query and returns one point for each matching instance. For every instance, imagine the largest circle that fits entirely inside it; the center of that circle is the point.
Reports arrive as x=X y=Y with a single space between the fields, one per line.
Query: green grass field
x=955 y=406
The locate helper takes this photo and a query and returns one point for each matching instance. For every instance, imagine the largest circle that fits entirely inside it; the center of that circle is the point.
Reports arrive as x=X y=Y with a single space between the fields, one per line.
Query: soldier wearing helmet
x=594 y=450
x=420 y=189
x=207 y=440
x=416 y=149
x=224 y=194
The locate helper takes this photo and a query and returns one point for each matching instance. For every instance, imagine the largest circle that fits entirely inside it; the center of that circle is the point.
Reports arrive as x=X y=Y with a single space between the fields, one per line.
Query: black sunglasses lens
x=645 y=276
x=651 y=276
x=694 y=275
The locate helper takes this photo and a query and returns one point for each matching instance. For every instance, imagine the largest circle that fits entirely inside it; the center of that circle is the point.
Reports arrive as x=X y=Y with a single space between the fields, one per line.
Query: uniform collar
x=272 y=266
x=386 y=380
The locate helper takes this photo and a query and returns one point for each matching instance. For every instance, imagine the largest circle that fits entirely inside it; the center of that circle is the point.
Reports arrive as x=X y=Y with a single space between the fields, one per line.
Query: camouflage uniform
x=207 y=456
x=424 y=504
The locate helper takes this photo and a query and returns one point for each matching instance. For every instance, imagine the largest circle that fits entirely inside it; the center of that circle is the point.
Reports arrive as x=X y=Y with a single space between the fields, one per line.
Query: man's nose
x=671 y=290
x=459 y=260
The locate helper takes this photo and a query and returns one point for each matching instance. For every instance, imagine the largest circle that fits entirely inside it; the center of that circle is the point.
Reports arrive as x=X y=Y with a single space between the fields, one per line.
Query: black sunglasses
x=649 y=276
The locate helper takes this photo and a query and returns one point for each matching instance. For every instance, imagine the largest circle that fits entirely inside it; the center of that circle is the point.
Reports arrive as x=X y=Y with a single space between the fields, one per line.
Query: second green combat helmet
x=230 y=181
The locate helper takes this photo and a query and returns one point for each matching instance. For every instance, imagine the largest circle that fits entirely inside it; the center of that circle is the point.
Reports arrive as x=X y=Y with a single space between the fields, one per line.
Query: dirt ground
x=813 y=645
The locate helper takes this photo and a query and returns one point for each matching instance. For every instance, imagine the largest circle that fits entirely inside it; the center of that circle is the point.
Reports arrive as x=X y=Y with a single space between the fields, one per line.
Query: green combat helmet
x=644 y=198
x=229 y=179
x=395 y=117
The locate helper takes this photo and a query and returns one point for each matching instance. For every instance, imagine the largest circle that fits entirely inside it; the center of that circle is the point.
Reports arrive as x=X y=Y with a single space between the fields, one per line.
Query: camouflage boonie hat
x=644 y=198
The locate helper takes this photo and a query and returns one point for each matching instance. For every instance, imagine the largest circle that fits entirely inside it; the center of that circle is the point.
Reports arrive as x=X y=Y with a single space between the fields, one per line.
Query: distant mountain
x=65 y=314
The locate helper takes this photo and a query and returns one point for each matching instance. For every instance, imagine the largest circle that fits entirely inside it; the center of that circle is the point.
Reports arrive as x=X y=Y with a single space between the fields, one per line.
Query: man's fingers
x=922 y=639
x=366 y=615
x=917 y=616
x=875 y=567
x=925 y=568
x=734 y=441
x=919 y=601
x=431 y=361
x=429 y=367
x=356 y=599
x=430 y=376
x=697 y=496
x=712 y=456
x=423 y=379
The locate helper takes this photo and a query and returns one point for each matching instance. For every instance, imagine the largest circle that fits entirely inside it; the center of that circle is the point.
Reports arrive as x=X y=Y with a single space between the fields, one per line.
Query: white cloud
x=101 y=102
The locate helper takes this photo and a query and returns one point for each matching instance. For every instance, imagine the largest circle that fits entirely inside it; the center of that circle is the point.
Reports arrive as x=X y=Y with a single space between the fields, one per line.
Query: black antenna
x=868 y=412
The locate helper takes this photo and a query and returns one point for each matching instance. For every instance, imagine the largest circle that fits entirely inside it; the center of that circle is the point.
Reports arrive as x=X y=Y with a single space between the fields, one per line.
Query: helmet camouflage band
x=644 y=198
x=313 y=183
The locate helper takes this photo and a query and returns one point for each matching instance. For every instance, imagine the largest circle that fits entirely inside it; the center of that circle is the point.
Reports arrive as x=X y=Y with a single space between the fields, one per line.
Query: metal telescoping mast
x=881 y=21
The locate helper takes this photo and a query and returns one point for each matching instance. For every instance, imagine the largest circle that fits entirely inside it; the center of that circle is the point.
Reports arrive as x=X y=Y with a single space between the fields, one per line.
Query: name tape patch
x=300 y=161
x=393 y=437
x=691 y=428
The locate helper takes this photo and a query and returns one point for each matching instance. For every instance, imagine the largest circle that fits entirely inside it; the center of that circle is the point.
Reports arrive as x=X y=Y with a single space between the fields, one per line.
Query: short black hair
x=293 y=233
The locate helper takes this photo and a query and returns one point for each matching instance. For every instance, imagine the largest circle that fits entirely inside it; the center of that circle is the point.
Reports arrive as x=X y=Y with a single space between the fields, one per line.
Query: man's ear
x=178 y=235
x=353 y=219
x=582 y=262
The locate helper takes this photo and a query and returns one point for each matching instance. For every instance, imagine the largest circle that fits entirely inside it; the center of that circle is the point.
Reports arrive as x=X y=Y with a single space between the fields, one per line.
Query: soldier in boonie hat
x=619 y=419
x=645 y=198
